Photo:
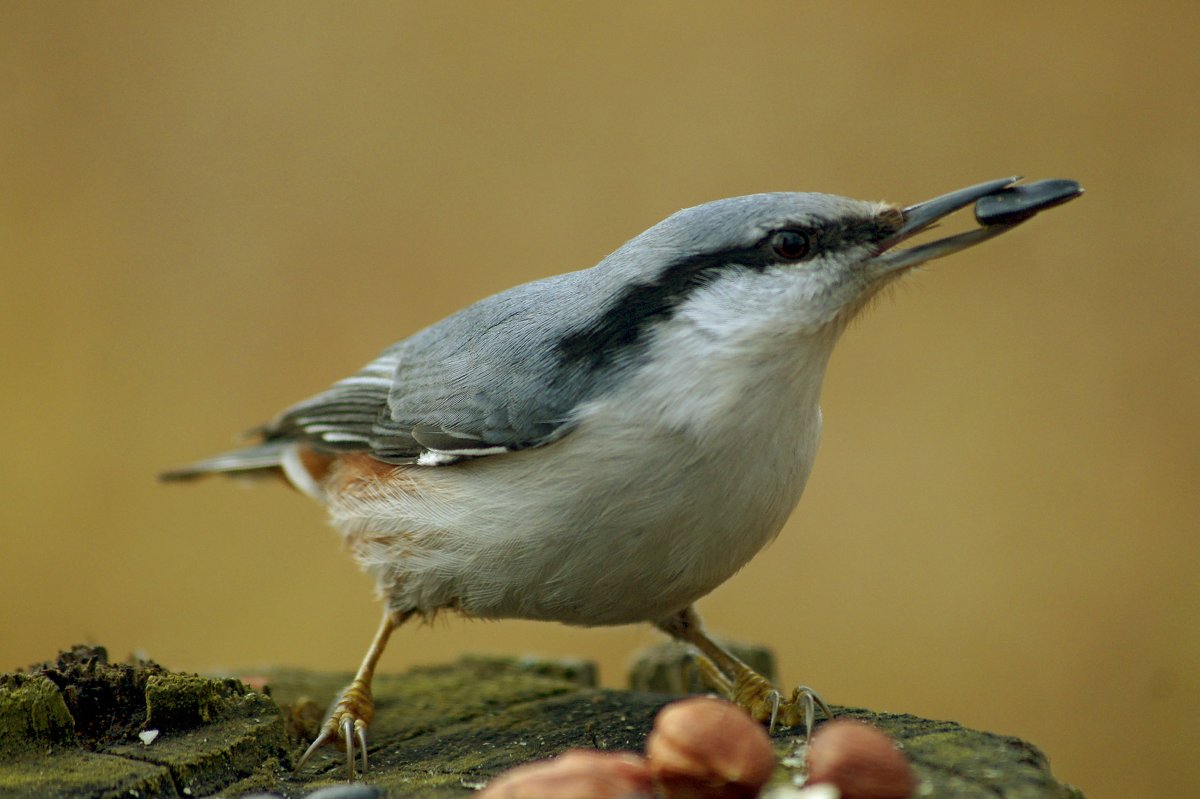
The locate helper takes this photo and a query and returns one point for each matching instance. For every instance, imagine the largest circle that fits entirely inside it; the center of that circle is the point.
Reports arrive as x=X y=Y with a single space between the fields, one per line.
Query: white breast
x=667 y=487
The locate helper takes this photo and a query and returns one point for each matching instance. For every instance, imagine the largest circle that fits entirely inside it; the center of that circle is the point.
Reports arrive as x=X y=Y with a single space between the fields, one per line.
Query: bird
x=605 y=446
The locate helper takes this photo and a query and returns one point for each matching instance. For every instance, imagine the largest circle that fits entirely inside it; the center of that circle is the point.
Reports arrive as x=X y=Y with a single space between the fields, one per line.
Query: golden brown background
x=211 y=210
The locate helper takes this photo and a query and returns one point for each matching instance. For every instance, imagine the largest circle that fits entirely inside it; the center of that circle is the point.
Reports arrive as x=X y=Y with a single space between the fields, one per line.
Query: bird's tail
x=261 y=460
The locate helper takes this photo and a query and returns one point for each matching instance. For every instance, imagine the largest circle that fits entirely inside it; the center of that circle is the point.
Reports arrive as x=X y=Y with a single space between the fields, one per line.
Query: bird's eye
x=790 y=244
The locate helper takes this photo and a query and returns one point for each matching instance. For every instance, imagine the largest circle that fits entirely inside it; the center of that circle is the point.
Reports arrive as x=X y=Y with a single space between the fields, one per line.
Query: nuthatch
x=607 y=446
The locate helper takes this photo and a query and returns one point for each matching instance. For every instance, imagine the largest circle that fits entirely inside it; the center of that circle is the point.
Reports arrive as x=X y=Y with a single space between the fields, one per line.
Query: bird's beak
x=1022 y=203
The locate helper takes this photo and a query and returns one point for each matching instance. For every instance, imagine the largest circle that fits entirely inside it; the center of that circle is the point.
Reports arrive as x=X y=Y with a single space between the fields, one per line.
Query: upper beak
x=1026 y=200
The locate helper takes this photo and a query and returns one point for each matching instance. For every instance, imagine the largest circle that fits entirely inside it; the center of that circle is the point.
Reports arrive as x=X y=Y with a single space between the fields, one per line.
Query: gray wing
x=484 y=381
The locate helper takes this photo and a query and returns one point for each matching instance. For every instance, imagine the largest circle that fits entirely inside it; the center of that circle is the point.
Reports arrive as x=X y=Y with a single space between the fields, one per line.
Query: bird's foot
x=756 y=695
x=347 y=722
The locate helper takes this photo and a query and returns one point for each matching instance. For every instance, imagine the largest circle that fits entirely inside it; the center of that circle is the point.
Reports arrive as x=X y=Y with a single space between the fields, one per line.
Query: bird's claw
x=808 y=700
x=754 y=693
x=347 y=720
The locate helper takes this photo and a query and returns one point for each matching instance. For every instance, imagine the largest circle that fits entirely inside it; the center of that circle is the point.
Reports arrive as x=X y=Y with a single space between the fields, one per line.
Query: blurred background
x=209 y=211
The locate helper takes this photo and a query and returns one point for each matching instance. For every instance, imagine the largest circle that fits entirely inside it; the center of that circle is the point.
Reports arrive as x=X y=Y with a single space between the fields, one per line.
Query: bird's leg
x=351 y=713
x=726 y=674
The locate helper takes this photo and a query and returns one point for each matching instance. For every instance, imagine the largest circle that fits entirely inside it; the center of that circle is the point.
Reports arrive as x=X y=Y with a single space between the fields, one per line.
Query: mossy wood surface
x=71 y=729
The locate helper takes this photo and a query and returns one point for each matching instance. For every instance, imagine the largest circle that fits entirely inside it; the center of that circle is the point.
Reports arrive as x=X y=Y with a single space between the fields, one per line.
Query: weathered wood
x=70 y=729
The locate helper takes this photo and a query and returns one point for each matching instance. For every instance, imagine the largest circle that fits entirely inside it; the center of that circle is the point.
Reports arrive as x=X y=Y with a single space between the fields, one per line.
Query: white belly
x=668 y=485
x=619 y=521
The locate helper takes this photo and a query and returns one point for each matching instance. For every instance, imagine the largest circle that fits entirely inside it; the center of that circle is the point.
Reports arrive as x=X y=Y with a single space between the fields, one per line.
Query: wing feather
x=482 y=382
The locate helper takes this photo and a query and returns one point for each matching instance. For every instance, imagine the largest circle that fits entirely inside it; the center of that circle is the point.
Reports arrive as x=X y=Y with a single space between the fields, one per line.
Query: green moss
x=244 y=731
x=212 y=732
x=33 y=714
x=106 y=700
x=184 y=701
x=78 y=773
x=266 y=778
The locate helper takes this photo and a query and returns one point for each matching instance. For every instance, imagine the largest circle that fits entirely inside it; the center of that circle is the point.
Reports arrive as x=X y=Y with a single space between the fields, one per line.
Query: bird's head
x=829 y=253
x=773 y=266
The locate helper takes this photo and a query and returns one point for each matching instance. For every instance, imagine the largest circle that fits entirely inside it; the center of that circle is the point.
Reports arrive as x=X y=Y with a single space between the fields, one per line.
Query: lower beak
x=921 y=216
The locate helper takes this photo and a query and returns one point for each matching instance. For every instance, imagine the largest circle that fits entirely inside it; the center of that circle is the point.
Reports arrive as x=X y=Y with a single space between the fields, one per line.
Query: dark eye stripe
x=621 y=329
